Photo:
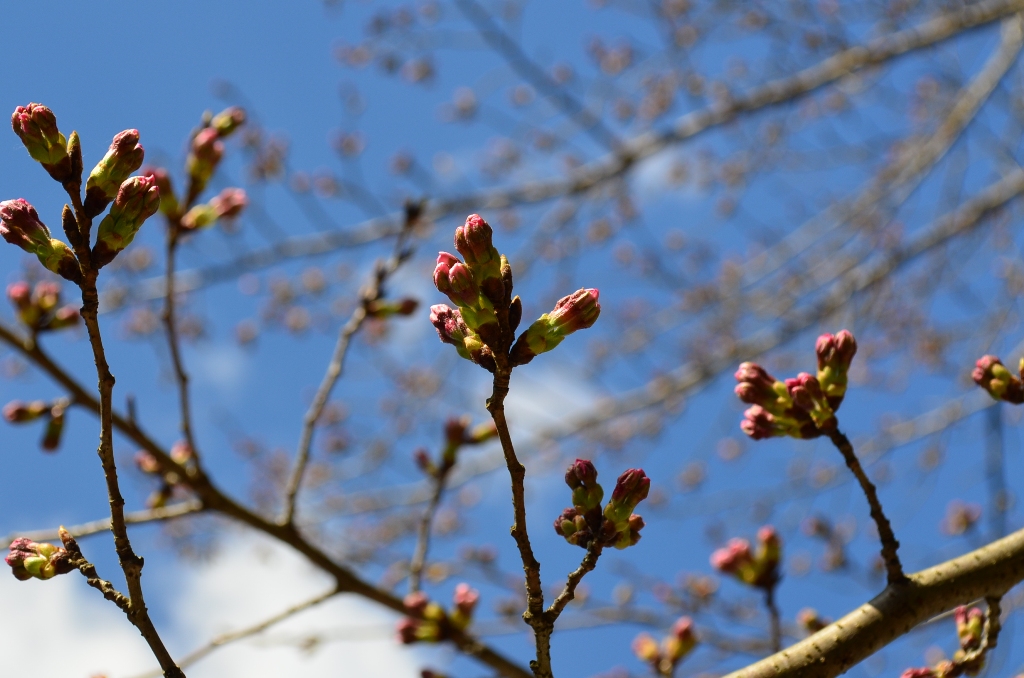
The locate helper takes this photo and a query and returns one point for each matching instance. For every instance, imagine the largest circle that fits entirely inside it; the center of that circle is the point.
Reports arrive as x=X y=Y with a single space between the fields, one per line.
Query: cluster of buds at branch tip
x=800 y=407
x=40 y=309
x=577 y=311
x=227 y=205
x=457 y=433
x=18 y=412
x=990 y=374
x=452 y=329
x=760 y=568
x=584 y=521
x=664 y=658
x=20 y=225
x=970 y=626
x=228 y=121
x=29 y=559
x=385 y=308
x=203 y=158
x=124 y=156
x=171 y=480
x=36 y=126
x=428 y=622
x=137 y=199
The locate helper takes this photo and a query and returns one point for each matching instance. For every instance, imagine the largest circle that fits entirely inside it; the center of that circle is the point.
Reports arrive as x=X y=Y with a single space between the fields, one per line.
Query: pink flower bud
x=452 y=329
x=835 y=353
x=572 y=525
x=228 y=120
x=416 y=603
x=20 y=225
x=734 y=555
x=30 y=559
x=18 y=412
x=646 y=649
x=681 y=641
x=146 y=462
x=68 y=316
x=465 y=599
x=454 y=279
x=473 y=241
x=122 y=158
x=137 y=200
x=920 y=672
x=755 y=386
x=230 y=203
x=806 y=392
x=990 y=374
x=207 y=151
x=631 y=488
x=578 y=311
x=406 y=630
x=168 y=201
x=36 y=126
x=482 y=433
x=20 y=295
x=581 y=473
x=759 y=424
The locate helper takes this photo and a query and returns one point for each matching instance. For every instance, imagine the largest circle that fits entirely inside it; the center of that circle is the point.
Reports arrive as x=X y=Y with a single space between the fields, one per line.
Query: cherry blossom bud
x=20 y=225
x=473 y=241
x=68 y=316
x=455 y=431
x=383 y=308
x=18 y=412
x=465 y=600
x=806 y=393
x=835 y=353
x=182 y=453
x=572 y=525
x=578 y=311
x=146 y=462
x=199 y=217
x=990 y=374
x=769 y=547
x=759 y=424
x=30 y=559
x=168 y=201
x=921 y=672
x=810 y=621
x=631 y=488
x=122 y=158
x=581 y=477
x=36 y=126
x=207 y=151
x=452 y=329
x=20 y=296
x=482 y=433
x=137 y=200
x=230 y=203
x=646 y=649
x=454 y=279
x=406 y=630
x=54 y=427
x=681 y=641
x=757 y=387
x=969 y=623
x=626 y=535
x=733 y=557
x=228 y=120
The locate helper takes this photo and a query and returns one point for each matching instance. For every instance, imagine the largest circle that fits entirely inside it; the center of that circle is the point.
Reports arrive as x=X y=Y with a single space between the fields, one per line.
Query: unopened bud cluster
x=37 y=560
x=486 y=315
x=208 y=146
x=53 y=415
x=170 y=480
x=803 y=406
x=429 y=622
x=990 y=374
x=758 y=568
x=664 y=657
x=457 y=433
x=39 y=308
x=970 y=627
x=134 y=198
x=616 y=525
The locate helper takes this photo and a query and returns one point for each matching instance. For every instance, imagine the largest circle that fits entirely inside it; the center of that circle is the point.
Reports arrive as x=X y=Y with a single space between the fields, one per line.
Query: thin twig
x=774 y=619
x=372 y=292
x=419 y=559
x=173 y=341
x=575 y=577
x=890 y=545
x=103 y=524
x=234 y=636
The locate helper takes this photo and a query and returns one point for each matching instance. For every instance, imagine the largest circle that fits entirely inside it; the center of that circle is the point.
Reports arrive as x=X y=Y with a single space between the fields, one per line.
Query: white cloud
x=67 y=629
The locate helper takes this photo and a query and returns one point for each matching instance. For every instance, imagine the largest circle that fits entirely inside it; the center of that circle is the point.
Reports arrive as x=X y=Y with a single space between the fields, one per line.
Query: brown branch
x=890 y=545
x=985 y=573
x=568 y=593
x=103 y=524
x=131 y=564
x=774 y=619
x=419 y=559
x=371 y=293
x=173 y=343
x=241 y=634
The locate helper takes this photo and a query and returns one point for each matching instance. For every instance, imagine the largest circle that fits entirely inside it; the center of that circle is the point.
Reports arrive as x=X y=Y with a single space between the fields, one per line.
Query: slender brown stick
x=890 y=545
x=241 y=634
x=575 y=577
x=172 y=339
x=131 y=564
x=372 y=292
x=103 y=524
x=419 y=559
x=774 y=619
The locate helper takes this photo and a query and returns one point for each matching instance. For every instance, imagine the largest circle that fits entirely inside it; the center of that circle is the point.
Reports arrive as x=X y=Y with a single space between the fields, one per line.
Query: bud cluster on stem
x=53 y=415
x=457 y=433
x=39 y=309
x=616 y=525
x=663 y=658
x=170 y=481
x=20 y=225
x=969 y=658
x=429 y=622
x=758 y=568
x=990 y=374
x=36 y=126
x=37 y=560
x=801 y=407
x=486 y=315
x=207 y=147
x=124 y=156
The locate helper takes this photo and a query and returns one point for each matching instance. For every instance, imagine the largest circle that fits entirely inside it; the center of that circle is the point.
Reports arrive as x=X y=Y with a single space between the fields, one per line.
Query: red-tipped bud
x=36 y=126
x=30 y=559
x=454 y=279
x=578 y=311
x=122 y=158
x=759 y=424
x=20 y=225
x=646 y=649
x=54 y=427
x=67 y=316
x=806 y=393
x=20 y=295
x=464 y=600
x=732 y=557
x=137 y=200
x=146 y=462
x=631 y=488
x=452 y=329
x=835 y=353
x=168 y=201
x=755 y=386
x=581 y=473
x=18 y=412
x=990 y=374
x=228 y=120
x=680 y=642
x=230 y=203
x=207 y=151
x=473 y=241
x=810 y=621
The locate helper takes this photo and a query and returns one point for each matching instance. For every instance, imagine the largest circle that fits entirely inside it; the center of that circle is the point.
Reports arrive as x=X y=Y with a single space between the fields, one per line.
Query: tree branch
x=985 y=573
